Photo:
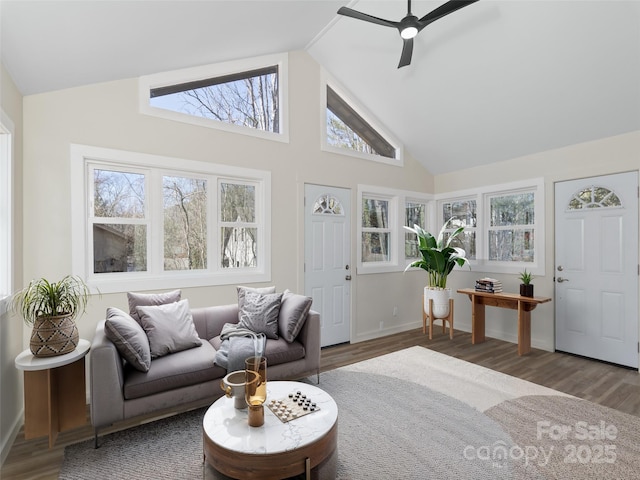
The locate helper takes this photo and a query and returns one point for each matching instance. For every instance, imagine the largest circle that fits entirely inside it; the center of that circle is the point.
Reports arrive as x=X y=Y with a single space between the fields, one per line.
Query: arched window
x=327 y=204
x=594 y=197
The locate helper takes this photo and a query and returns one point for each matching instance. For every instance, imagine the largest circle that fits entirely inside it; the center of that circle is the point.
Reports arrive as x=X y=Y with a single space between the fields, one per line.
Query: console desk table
x=54 y=392
x=524 y=305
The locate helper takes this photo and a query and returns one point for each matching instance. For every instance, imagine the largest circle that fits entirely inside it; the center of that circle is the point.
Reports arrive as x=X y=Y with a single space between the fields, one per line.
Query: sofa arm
x=106 y=379
x=309 y=336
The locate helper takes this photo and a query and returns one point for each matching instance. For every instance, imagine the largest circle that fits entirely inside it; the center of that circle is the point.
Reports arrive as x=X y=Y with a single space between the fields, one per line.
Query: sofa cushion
x=169 y=328
x=181 y=369
x=277 y=351
x=242 y=291
x=259 y=313
x=129 y=338
x=147 y=299
x=293 y=313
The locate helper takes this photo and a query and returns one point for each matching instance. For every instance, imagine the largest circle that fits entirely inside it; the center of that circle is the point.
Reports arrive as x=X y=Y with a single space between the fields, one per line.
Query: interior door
x=596 y=289
x=327 y=276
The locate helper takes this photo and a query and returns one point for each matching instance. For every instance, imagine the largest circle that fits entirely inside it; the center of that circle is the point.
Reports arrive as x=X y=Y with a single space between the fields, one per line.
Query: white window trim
x=326 y=79
x=7 y=131
x=83 y=155
x=481 y=195
x=175 y=77
x=397 y=201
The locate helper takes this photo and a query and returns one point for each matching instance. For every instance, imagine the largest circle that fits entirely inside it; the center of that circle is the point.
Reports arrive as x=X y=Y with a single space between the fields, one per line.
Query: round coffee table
x=276 y=450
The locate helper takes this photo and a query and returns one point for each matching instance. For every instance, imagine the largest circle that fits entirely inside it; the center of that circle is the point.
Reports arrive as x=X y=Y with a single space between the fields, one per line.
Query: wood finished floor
x=608 y=385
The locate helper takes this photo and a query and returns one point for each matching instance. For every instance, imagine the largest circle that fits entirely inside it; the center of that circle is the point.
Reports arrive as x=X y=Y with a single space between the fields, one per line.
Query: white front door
x=596 y=271
x=327 y=273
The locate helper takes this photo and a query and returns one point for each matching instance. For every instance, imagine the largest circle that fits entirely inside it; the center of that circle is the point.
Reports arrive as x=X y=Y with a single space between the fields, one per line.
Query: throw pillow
x=293 y=314
x=147 y=299
x=129 y=338
x=169 y=328
x=259 y=313
x=242 y=291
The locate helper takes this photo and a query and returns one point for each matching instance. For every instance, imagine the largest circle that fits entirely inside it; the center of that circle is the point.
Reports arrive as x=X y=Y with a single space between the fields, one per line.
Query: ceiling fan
x=410 y=25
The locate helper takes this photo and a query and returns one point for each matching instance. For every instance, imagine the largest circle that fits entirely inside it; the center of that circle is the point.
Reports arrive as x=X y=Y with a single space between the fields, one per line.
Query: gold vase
x=256 y=389
x=53 y=336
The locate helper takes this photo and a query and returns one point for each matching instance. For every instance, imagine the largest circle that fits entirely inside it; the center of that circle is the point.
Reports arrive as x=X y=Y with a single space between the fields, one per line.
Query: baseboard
x=386 y=331
x=7 y=442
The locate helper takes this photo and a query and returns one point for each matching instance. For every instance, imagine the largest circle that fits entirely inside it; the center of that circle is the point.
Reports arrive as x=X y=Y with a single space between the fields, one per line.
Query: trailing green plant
x=42 y=298
x=526 y=277
x=438 y=256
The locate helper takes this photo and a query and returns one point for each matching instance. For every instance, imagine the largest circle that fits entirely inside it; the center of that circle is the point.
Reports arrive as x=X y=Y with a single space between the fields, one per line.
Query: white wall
x=601 y=157
x=11 y=327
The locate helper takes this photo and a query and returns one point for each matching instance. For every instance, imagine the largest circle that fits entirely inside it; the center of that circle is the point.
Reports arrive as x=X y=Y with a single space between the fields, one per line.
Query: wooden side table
x=54 y=392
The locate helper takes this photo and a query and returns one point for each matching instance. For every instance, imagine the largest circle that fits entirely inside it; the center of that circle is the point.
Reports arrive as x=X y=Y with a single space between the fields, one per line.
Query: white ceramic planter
x=440 y=298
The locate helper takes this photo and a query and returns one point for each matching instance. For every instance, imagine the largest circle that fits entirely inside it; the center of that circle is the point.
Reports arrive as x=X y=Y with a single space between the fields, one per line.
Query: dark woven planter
x=53 y=336
x=526 y=290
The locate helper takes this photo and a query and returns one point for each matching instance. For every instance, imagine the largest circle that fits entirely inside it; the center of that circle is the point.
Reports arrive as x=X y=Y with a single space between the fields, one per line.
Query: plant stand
x=429 y=315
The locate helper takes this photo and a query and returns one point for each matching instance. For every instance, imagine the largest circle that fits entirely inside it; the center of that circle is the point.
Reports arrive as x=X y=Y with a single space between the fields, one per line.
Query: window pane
x=511 y=245
x=185 y=223
x=239 y=247
x=512 y=210
x=237 y=203
x=119 y=248
x=375 y=213
x=464 y=212
x=466 y=240
x=414 y=215
x=375 y=247
x=118 y=194
x=249 y=99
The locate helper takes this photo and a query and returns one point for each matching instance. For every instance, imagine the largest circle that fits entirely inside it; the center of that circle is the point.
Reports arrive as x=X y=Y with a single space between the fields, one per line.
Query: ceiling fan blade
x=407 y=51
x=349 y=12
x=449 y=7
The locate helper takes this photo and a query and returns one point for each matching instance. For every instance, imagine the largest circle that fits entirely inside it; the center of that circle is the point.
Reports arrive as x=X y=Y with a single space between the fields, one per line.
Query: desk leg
x=524 y=330
x=477 y=321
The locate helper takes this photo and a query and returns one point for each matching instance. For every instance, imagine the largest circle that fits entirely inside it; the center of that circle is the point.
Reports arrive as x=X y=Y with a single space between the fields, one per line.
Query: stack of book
x=489 y=285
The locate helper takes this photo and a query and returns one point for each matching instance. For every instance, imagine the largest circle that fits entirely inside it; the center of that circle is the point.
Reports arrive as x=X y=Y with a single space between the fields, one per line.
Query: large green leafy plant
x=438 y=256
x=42 y=298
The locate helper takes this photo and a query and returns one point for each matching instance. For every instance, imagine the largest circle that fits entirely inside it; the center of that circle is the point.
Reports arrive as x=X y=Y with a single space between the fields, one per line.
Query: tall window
x=510 y=234
x=461 y=213
x=6 y=224
x=152 y=226
x=376 y=230
x=415 y=214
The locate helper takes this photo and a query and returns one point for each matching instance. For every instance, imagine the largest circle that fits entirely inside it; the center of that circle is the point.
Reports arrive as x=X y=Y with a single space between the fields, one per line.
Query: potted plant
x=526 y=287
x=439 y=258
x=51 y=308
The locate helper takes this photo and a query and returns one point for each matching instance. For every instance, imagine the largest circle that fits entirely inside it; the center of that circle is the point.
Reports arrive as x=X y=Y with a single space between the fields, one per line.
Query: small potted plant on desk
x=526 y=287
x=51 y=307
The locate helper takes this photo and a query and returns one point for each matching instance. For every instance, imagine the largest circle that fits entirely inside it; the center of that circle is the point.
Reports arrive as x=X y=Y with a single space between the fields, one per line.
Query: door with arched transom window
x=596 y=267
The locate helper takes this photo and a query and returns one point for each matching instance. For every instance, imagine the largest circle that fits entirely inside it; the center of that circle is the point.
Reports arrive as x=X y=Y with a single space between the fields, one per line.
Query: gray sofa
x=120 y=392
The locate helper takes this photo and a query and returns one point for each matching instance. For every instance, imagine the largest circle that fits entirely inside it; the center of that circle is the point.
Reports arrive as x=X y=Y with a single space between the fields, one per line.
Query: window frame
x=84 y=158
x=397 y=205
x=482 y=195
x=147 y=83
x=327 y=81
x=7 y=135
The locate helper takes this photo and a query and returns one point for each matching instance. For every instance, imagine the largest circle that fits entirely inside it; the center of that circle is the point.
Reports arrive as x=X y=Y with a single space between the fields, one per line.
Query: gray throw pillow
x=242 y=291
x=259 y=313
x=169 y=328
x=147 y=299
x=129 y=338
x=293 y=314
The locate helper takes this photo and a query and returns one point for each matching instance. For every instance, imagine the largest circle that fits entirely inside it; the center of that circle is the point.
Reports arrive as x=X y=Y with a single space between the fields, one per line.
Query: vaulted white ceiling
x=492 y=81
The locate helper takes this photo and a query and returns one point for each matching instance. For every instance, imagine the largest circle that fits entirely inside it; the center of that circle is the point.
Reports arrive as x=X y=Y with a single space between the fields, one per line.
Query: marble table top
x=229 y=428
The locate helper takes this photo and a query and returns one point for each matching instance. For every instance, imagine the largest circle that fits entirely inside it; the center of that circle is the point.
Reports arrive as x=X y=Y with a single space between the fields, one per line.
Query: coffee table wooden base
x=278 y=465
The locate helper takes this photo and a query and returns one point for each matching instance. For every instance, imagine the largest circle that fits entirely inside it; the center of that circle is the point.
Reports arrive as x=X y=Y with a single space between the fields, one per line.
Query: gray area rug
x=398 y=421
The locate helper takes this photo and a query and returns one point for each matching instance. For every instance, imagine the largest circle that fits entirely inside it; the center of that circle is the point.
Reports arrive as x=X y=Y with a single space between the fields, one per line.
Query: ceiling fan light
x=408 y=32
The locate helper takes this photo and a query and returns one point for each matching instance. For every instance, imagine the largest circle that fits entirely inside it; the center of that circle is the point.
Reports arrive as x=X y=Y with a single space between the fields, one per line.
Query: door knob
x=348 y=277
x=560 y=279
